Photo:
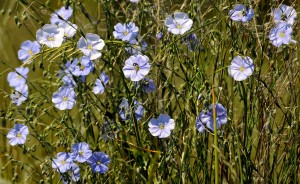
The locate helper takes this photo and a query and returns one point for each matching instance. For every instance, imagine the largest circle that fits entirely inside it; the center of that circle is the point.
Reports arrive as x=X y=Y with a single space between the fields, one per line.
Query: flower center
x=161 y=126
x=30 y=52
x=281 y=34
x=80 y=153
x=242 y=68
x=50 y=38
x=178 y=26
x=90 y=46
x=283 y=16
x=125 y=33
x=19 y=77
x=136 y=66
x=82 y=67
x=98 y=163
x=19 y=134
x=135 y=46
x=63 y=162
x=65 y=98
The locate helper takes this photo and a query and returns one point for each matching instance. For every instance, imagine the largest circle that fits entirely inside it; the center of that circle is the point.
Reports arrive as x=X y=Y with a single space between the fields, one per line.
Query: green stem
x=215 y=138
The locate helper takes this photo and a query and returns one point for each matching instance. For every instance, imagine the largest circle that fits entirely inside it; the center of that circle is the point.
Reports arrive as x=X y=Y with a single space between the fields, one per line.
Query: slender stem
x=215 y=138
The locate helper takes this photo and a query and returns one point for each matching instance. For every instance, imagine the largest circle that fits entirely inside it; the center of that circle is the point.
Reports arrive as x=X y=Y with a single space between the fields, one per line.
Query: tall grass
x=259 y=143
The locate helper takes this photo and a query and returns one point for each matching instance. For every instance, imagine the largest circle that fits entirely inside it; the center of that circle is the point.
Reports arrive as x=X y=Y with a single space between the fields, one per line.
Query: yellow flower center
x=242 y=68
x=50 y=38
x=82 y=67
x=63 y=162
x=19 y=135
x=178 y=26
x=161 y=126
x=281 y=34
x=136 y=66
x=135 y=46
x=125 y=33
x=80 y=153
x=90 y=46
x=30 y=52
x=65 y=98
x=19 y=77
x=98 y=163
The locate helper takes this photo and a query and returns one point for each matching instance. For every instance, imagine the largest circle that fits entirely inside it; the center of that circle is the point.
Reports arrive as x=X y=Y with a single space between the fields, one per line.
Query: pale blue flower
x=285 y=13
x=205 y=118
x=19 y=95
x=241 y=68
x=125 y=32
x=147 y=85
x=71 y=175
x=179 y=24
x=98 y=162
x=241 y=13
x=17 y=78
x=64 y=12
x=18 y=134
x=62 y=162
x=281 y=34
x=91 y=45
x=64 y=98
x=134 y=1
x=125 y=110
x=28 y=49
x=136 y=67
x=82 y=66
x=69 y=29
x=50 y=35
x=161 y=126
x=100 y=84
x=159 y=35
x=81 y=152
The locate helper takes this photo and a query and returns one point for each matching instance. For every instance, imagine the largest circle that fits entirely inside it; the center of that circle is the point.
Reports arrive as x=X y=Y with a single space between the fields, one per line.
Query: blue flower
x=159 y=35
x=17 y=78
x=50 y=35
x=136 y=47
x=179 y=24
x=147 y=84
x=82 y=66
x=161 y=126
x=71 y=174
x=191 y=41
x=134 y=1
x=91 y=45
x=281 y=34
x=64 y=98
x=125 y=32
x=63 y=162
x=81 y=152
x=205 y=118
x=19 y=95
x=69 y=29
x=241 y=13
x=18 y=134
x=125 y=110
x=63 y=12
x=241 y=68
x=136 y=67
x=285 y=13
x=28 y=49
x=100 y=83
x=98 y=162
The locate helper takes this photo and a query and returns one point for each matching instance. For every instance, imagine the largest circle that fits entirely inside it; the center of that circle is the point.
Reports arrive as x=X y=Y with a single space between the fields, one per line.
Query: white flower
x=91 y=45
x=69 y=29
x=50 y=35
x=241 y=68
x=180 y=24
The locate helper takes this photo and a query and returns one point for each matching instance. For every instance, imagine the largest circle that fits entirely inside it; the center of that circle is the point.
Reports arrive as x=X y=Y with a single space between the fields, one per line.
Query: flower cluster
x=64 y=163
x=125 y=110
x=284 y=18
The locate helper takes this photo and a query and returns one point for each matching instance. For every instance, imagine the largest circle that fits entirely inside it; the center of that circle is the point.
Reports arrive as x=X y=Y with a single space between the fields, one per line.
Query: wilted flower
x=50 y=35
x=64 y=98
x=19 y=95
x=241 y=13
x=147 y=85
x=136 y=67
x=72 y=174
x=284 y=13
x=161 y=126
x=241 y=68
x=82 y=66
x=205 y=118
x=125 y=32
x=98 y=162
x=136 y=47
x=63 y=12
x=81 y=152
x=100 y=83
x=28 y=49
x=281 y=34
x=179 y=24
x=18 y=134
x=17 y=78
x=69 y=29
x=63 y=162
x=91 y=45
x=125 y=109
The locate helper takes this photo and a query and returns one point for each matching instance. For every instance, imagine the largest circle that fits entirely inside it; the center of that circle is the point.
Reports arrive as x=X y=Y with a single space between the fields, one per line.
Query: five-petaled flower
x=17 y=78
x=125 y=32
x=100 y=83
x=63 y=162
x=241 y=13
x=50 y=35
x=28 y=49
x=161 y=126
x=91 y=45
x=281 y=34
x=18 y=134
x=64 y=12
x=180 y=24
x=136 y=67
x=285 y=13
x=81 y=152
x=64 y=98
x=82 y=66
x=241 y=68
x=205 y=118
x=19 y=95
x=98 y=162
